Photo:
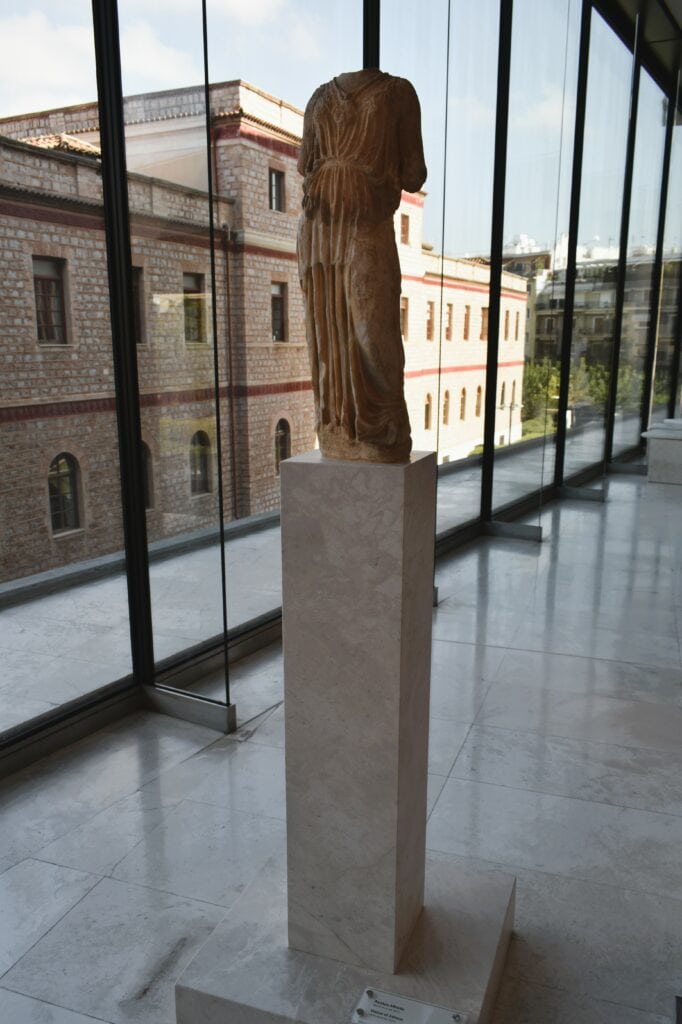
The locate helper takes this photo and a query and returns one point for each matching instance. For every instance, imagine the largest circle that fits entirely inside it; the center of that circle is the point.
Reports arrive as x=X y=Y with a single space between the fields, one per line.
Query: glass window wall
x=668 y=333
x=219 y=330
x=606 y=125
x=539 y=158
x=64 y=626
x=652 y=112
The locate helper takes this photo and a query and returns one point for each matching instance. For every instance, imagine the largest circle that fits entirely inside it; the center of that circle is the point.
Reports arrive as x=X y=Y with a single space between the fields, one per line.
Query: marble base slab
x=246 y=973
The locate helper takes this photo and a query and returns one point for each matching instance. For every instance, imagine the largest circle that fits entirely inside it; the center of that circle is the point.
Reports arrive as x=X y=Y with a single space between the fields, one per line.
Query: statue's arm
x=412 y=165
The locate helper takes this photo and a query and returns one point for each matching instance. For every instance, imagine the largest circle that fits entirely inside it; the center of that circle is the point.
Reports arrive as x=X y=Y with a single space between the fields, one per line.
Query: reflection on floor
x=556 y=753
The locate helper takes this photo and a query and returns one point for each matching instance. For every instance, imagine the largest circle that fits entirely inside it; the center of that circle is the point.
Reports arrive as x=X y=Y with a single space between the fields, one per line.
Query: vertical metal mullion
x=652 y=333
x=574 y=219
x=677 y=357
x=214 y=327
x=496 y=243
x=117 y=225
x=624 y=234
x=370 y=33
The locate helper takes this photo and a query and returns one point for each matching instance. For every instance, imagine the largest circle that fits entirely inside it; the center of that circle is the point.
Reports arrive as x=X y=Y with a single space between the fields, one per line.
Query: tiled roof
x=64 y=142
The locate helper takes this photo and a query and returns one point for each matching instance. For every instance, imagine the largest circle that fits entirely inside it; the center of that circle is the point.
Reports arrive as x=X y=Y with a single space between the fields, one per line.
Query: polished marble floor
x=556 y=753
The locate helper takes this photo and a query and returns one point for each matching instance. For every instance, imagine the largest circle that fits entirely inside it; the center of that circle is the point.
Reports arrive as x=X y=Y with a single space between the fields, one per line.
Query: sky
x=288 y=47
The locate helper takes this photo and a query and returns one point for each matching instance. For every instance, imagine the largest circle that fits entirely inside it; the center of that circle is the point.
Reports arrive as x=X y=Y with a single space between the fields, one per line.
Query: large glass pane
x=262 y=411
x=641 y=250
x=281 y=55
x=668 y=333
x=169 y=217
x=606 y=125
x=63 y=600
x=445 y=266
x=539 y=158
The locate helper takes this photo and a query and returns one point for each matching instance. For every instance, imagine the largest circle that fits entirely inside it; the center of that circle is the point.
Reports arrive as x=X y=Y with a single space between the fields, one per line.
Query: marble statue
x=361 y=147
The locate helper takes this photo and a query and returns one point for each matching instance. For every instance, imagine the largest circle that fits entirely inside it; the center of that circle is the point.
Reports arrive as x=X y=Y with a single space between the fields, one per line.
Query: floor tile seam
x=572 y=654
x=469 y=643
x=269 y=711
x=563 y=796
x=98 y=881
x=578 y=993
x=601 y=694
x=176 y=895
x=589 y=657
x=464 y=743
x=510 y=868
x=544 y=734
x=435 y=802
x=59 y=1006
x=236 y=810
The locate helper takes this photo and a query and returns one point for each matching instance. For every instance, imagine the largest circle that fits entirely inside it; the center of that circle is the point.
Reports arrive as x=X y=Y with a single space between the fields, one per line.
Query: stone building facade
x=57 y=394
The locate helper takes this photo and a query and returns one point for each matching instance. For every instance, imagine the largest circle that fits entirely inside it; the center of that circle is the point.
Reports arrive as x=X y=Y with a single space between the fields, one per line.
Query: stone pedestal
x=664 y=452
x=247 y=974
x=357 y=569
x=304 y=942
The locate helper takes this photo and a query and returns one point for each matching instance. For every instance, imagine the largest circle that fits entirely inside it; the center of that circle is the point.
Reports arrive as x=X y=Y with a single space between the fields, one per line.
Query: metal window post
x=573 y=224
x=656 y=279
x=612 y=400
x=370 y=33
x=496 y=243
x=116 y=217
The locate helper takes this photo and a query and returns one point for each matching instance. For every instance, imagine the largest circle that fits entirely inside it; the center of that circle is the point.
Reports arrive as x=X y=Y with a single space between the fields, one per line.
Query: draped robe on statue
x=361 y=147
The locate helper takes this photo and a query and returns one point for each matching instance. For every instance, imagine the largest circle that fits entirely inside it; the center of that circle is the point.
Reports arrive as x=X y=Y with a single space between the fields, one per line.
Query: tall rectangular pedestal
x=358 y=543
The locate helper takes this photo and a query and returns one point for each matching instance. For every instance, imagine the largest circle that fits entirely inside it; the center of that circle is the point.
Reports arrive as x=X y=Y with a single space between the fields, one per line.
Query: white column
x=358 y=543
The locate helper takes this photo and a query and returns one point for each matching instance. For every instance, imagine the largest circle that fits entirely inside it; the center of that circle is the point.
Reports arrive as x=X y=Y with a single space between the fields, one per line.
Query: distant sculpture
x=361 y=147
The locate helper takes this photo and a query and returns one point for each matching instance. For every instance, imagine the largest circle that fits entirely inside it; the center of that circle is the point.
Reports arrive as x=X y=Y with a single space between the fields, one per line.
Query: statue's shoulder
x=401 y=86
x=318 y=95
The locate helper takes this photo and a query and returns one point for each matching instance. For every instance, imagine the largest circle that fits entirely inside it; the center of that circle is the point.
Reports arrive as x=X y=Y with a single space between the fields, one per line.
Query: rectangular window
x=138 y=305
x=404 y=229
x=403 y=316
x=467 y=322
x=448 y=322
x=276 y=189
x=193 y=297
x=278 y=302
x=48 y=282
x=516 y=328
x=506 y=325
x=430 y=313
x=484 y=323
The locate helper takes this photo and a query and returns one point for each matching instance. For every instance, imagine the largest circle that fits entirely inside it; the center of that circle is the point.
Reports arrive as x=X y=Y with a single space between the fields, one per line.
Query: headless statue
x=361 y=147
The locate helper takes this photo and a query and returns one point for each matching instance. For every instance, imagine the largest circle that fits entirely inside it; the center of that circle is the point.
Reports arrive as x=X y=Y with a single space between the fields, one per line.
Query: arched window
x=428 y=406
x=282 y=443
x=479 y=399
x=513 y=401
x=446 y=408
x=200 y=463
x=463 y=404
x=62 y=482
x=147 y=477
x=503 y=394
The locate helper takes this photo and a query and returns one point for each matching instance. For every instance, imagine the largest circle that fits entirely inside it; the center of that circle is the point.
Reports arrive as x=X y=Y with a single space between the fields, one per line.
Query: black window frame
x=43 y=285
x=64 y=506
x=282 y=442
x=278 y=312
x=200 y=481
x=276 y=190
x=194 y=308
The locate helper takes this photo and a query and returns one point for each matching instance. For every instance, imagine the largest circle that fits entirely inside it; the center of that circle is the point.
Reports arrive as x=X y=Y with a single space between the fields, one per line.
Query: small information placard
x=376 y=1006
